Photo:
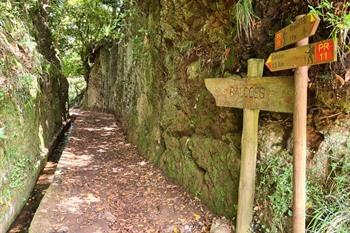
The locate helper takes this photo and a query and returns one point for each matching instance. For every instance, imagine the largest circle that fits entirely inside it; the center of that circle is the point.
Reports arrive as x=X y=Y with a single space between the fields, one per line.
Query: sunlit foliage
x=80 y=26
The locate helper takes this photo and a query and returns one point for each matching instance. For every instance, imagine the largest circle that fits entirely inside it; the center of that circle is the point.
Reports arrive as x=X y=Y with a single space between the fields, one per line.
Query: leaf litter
x=103 y=185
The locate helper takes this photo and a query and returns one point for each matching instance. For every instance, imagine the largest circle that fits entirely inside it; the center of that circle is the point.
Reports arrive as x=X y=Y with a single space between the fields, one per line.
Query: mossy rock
x=207 y=167
x=334 y=99
x=335 y=145
x=271 y=139
x=173 y=118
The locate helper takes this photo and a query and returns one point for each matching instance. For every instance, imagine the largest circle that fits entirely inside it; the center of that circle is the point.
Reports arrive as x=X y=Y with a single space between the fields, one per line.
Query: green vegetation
x=29 y=96
x=184 y=143
x=337 y=17
x=15 y=40
x=16 y=176
x=79 y=27
x=275 y=186
x=328 y=203
x=2 y=134
x=77 y=86
x=331 y=201
x=244 y=16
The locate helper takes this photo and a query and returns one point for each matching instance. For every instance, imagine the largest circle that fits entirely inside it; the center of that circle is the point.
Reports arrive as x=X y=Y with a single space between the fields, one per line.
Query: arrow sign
x=313 y=54
x=268 y=93
x=301 y=28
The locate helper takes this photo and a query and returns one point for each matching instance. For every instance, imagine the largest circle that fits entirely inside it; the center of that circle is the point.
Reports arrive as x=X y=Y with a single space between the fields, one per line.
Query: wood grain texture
x=312 y=54
x=303 y=27
x=274 y=94
x=299 y=146
x=249 y=146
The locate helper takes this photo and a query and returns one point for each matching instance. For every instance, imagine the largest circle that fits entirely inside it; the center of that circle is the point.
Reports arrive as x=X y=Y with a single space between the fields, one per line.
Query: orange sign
x=313 y=54
x=278 y=40
x=324 y=51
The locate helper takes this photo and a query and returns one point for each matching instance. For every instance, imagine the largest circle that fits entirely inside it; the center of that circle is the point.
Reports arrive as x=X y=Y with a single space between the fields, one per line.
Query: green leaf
x=2 y=134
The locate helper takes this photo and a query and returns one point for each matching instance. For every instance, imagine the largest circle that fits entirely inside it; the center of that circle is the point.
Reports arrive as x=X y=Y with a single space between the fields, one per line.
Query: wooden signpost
x=303 y=27
x=274 y=94
x=311 y=54
x=302 y=56
x=279 y=94
x=253 y=93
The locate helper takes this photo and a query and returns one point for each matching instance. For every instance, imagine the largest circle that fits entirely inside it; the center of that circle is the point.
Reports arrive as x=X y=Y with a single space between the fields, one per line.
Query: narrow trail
x=103 y=185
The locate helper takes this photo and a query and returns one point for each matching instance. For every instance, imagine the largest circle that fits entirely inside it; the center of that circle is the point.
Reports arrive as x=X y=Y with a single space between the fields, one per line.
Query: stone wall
x=31 y=112
x=154 y=85
x=153 y=82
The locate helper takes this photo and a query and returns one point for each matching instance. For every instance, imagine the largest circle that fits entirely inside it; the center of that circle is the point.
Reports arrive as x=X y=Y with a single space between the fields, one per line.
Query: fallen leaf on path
x=176 y=230
x=196 y=216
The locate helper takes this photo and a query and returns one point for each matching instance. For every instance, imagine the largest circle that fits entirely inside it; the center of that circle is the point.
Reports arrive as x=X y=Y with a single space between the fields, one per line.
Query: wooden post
x=249 y=146
x=299 y=151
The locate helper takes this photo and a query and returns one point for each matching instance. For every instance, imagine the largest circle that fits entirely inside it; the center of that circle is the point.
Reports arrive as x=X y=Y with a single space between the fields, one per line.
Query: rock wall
x=154 y=83
x=31 y=112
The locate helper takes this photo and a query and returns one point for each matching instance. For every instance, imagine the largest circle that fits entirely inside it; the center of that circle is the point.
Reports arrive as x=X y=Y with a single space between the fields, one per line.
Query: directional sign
x=301 y=28
x=317 y=53
x=268 y=93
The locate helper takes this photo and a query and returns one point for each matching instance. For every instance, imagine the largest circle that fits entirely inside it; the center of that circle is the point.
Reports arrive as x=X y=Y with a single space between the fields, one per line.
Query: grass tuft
x=332 y=213
x=244 y=15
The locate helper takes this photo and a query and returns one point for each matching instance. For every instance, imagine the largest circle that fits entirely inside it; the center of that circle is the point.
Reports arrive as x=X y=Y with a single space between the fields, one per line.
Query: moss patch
x=207 y=167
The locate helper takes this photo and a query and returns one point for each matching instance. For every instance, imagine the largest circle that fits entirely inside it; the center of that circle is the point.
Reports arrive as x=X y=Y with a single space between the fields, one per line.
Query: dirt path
x=103 y=185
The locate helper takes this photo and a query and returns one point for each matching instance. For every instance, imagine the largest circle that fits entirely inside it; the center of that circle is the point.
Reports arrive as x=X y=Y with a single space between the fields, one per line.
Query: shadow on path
x=103 y=185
